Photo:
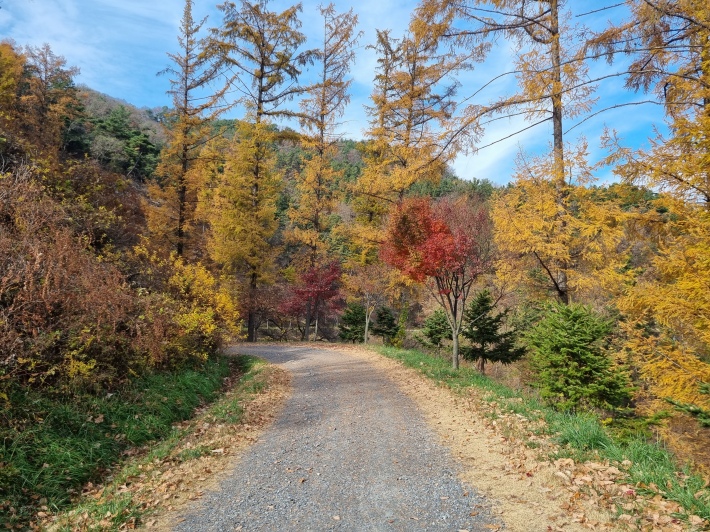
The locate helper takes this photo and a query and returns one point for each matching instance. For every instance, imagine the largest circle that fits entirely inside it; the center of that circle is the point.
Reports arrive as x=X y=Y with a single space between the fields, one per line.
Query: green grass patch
x=50 y=446
x=582 y=435
x=116 y=508
x=580 y=432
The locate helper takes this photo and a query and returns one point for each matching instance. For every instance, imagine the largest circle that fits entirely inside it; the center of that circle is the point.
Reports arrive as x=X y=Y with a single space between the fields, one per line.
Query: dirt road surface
x=363 y=443
x=349 y=451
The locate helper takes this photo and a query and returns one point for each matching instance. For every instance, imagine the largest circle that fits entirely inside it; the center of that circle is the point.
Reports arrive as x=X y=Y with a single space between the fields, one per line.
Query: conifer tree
x=352 y=323
x=243 y=215
x=411 y=106
x=668 y=42
x=262 y=48
x=561 y=249
x=482 y=328
x=436 y=328
x=188 y=129
x=385 y=325
x=412 y=137
x=569 y=355
x=323 y=106
x=553 y=85
x=321 y=109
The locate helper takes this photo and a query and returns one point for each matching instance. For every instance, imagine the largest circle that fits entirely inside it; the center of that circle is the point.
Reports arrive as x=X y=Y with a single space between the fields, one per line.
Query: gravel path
x=349 y=451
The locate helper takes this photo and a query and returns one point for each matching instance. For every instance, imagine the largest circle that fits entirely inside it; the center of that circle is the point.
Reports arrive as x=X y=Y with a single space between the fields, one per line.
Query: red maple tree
x=314 y=295
x=445 y=244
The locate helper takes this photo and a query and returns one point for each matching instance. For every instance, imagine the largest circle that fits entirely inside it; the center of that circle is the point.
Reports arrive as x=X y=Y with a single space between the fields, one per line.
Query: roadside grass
x=114 y=506
x=581 y=436
x=52 y=446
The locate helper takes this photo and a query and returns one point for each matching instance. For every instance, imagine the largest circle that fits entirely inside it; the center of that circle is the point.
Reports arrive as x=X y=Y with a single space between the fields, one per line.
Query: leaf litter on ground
x=505 y=455
x=514 y=459
x=159 y=480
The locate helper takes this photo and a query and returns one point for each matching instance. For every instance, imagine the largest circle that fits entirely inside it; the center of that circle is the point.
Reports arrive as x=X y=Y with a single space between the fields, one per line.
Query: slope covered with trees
x=136 y=241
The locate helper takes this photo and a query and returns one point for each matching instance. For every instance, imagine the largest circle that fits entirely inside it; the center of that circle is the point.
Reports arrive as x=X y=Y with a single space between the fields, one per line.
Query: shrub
x=570 y=357
x=483 y=330
x=352 y=323
x=385 y=325
x=188 y=321
x=436 y=329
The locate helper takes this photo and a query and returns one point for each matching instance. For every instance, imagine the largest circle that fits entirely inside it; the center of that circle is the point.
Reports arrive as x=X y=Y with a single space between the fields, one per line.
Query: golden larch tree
x=262 y=49
x=195 y=107
x=668 y=42
x=323 y=106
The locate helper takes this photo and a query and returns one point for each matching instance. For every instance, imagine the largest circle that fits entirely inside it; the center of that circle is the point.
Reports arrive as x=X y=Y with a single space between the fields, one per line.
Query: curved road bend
x=349 y=451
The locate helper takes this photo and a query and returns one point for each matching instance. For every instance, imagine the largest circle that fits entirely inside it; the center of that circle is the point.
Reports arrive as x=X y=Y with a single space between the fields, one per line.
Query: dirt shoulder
x=501 y=456
x=177 y=485
x=181 y=483
x=160 y=481
x=528 y=494
x=506 y=460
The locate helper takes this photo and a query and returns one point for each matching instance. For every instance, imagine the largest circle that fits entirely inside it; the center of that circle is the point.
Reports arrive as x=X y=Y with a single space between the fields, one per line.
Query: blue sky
x=121 y=45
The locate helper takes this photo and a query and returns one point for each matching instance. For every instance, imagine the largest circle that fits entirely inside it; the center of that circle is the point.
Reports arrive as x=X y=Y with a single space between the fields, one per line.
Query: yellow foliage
x=11 y=65
x=668 y=304
x=412 y=137
x=77 y=369
x=205 y=302
x=668 y=307
x=316 y=200
x=243 y=214
x=668 y=367
x=558 y=238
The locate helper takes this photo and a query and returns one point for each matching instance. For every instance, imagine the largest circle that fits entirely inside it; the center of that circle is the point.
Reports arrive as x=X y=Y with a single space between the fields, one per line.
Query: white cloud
x=120 y=45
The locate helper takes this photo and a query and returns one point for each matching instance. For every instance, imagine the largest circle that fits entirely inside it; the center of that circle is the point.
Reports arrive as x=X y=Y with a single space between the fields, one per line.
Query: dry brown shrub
x=62 y=312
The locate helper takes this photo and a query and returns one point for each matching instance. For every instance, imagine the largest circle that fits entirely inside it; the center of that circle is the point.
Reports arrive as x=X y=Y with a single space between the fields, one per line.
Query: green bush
x=569 y=356
x=352 y=323
x=436 y=329
x=385 y=325
x=482 y=328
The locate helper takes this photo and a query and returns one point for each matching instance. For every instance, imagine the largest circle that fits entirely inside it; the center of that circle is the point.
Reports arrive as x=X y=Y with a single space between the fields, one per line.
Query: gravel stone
x=349 y=451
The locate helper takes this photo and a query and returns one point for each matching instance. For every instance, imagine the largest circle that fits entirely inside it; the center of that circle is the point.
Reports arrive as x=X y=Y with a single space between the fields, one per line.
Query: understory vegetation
x=180 y=452
x=626 y=443
x=53 y=444
x=135 y=242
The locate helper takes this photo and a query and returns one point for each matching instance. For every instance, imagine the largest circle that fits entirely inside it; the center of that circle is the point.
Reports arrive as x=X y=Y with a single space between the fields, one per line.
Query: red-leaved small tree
x=316 y=292
x=445 y=244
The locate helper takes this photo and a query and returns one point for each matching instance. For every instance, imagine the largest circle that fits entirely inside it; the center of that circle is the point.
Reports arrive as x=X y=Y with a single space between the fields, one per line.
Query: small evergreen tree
x=569 y=355
x=482 y=328
x=436 y=329
x=401 y=335
x=698 y=412
x=385 y=325
x=352 y=323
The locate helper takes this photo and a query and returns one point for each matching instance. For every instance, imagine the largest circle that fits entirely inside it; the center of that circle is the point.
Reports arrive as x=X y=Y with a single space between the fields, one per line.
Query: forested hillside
x=138 y=241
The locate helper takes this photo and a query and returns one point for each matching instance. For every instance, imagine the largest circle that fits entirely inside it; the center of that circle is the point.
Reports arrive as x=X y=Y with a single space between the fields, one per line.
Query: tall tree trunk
x=251 y=316
x=307 y=332
x=705 y=81
x=182 y=202
x=368 y=315
x=455 y=340
x=558 y=140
